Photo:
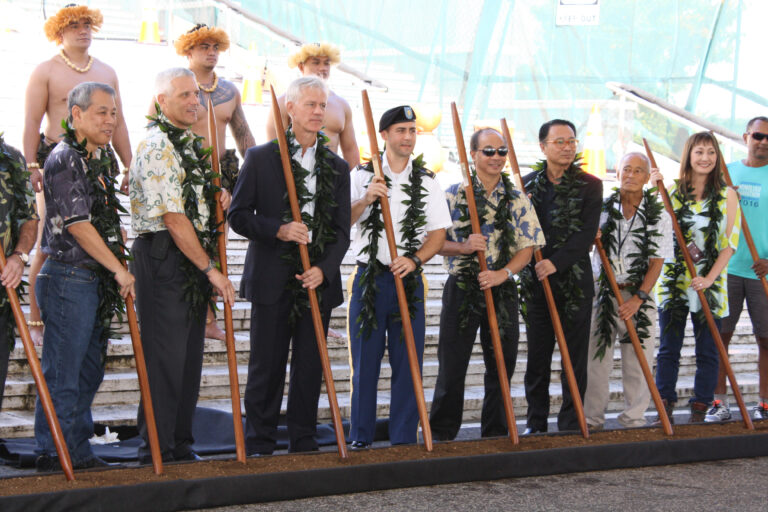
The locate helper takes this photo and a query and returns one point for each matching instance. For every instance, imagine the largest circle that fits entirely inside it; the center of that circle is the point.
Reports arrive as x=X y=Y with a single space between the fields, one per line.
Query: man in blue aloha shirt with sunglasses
x=510 y=233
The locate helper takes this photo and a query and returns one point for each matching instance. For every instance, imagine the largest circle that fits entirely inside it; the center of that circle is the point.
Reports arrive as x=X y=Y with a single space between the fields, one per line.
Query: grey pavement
x=738 y=484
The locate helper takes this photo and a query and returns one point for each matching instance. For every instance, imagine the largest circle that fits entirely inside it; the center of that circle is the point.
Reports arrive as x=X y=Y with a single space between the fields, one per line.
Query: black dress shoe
x=359 y=445
x=97 y=462
x=191 y=455
x=47 y=464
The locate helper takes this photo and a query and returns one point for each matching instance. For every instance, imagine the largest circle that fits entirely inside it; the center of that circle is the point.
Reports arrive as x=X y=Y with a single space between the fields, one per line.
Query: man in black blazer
x=567 y=202
x=273 y=279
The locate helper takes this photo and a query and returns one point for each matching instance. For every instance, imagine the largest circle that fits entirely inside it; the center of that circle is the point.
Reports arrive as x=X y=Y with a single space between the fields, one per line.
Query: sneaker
x=718 y=412
x=698 y=412
x=760 y=411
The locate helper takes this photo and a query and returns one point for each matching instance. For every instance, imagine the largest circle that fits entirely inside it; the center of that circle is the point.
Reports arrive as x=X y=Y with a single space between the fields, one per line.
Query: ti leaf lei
x=13 y=179
x=675 y=273
x=105 y=218
x=469 y=266
x=566 y=220
x=320 y=224
x=195 y=160
x=412 y=223
x=644 y=238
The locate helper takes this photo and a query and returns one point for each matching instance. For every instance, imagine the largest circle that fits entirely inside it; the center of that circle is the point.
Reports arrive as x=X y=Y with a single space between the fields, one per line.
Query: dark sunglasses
x=759 y=136
x=489 y=151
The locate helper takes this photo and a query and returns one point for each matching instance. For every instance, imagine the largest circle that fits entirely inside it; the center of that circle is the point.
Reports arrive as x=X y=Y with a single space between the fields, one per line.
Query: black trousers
x=5 y=354
x=271 y=337
x=454 y=351
x=173 y=338
x=541 y=344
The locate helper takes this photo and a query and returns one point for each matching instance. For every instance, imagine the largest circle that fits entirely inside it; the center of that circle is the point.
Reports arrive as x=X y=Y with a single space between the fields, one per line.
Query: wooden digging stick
x=704 y=304
x=317 y=319
x=632 y=332
x=554 y=315
x=490 y=308
x=744 y=227
x=146 y=396
x=234 y=385
x=37 y=374
x=405 y=316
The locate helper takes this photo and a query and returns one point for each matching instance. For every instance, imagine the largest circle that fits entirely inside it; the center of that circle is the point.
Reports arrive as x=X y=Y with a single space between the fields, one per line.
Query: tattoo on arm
x=241 y=131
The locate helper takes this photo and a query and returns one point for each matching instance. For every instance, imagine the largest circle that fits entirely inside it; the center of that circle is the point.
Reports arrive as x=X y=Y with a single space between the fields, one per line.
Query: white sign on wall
x=577 y=12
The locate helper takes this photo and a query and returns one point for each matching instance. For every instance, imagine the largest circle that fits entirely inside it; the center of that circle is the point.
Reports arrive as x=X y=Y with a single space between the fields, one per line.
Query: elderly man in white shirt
x=637 y=235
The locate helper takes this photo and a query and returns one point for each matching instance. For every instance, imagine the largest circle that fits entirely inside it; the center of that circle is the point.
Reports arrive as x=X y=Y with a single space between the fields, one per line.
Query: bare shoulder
x=43 y=70
x=225 y=91
x=336 y=100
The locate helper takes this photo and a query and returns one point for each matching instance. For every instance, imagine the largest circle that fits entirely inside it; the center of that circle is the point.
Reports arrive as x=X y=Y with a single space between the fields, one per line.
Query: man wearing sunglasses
x=567 y=202
x=510 y=232
x=751 y=177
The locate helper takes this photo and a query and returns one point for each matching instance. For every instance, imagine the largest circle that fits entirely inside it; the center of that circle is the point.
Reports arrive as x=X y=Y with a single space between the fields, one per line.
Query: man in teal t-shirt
x=750 y=176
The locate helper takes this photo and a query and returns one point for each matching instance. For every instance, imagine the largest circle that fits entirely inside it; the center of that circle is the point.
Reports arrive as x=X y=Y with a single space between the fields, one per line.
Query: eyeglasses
x=562 y=142
x=489 y=151
x=759 y=136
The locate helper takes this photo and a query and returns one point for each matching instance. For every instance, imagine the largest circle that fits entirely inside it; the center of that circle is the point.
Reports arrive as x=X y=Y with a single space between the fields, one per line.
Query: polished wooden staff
x=146 y=396
x=632 y=332
x=317 y=319
x=37 y=374
x=745 y=227
x=234 y=385
x=553 y=313
x=490 y=308
x=704 y=304
x=402 y=302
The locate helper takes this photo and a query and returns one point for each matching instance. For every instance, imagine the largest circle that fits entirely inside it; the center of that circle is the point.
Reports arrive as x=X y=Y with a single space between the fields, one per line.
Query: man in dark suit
x=567 y=201
x=273 y=279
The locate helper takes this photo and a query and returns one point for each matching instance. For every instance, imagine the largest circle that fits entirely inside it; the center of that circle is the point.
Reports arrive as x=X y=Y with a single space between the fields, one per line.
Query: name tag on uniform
x=618 y=266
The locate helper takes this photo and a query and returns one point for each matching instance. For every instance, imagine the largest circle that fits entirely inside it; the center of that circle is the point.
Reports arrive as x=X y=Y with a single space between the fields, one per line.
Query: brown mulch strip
x=298 y=462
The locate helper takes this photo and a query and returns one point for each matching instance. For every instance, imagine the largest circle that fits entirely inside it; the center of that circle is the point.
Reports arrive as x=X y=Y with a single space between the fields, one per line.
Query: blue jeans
x=68 y=298
x=668 y=360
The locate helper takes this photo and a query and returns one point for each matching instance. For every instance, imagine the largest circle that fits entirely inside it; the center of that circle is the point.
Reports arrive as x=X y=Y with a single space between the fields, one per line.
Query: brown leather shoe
x=669 y=407
x=698 y=412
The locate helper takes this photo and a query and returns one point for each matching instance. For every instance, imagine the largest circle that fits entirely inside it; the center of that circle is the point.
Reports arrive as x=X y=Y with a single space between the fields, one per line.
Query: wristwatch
x=643 y=296
x=211 y=266
x=510 y=275
x=415 y=259
x=24 y=256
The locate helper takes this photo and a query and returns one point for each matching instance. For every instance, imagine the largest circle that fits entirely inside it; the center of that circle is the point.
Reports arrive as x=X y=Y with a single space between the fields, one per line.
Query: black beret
x=401 y=114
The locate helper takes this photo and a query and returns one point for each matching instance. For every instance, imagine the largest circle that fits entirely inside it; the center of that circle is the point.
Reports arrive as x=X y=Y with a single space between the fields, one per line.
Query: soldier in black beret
x=419 y=217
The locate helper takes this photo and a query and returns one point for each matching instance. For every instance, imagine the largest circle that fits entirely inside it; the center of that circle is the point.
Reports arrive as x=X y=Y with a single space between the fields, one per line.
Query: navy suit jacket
x=259 y=203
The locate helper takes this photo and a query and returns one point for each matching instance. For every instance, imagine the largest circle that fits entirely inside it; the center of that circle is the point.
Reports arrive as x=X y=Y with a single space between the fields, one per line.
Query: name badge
x=618 y=266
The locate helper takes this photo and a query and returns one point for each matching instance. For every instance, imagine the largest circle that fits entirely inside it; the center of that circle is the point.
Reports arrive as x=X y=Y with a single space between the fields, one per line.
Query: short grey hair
x=642 y=156
x=164 y=79
x=296 y=88
x=82 y=93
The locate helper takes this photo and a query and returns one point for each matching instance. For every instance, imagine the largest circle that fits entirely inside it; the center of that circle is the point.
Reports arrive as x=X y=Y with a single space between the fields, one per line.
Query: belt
x=149 y=235
x=623 y=286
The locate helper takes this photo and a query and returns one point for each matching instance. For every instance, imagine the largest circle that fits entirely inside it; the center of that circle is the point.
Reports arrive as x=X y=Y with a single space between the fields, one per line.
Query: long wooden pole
x=745 y=227
x=229 y=338
x=37 y=375
x=490 y=308
x=635 y=339
x=317 y=318
x=146 y=396
x=704 y=304
x=553 y=313
x=402 y=302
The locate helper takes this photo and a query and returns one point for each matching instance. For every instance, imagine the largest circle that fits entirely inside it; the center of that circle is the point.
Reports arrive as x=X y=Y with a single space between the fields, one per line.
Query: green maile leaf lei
x=676 y=302
x=195 y=160
x=105 y=218
x=413 y=222
x=644 y=237
x=469 y=266
x=13 y=179
x=320 y=224
x=566 y=220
